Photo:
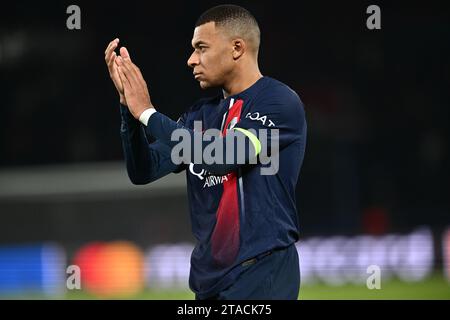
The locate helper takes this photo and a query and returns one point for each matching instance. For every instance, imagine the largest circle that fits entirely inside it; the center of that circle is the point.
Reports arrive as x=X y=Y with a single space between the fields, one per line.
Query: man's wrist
x=145 y=115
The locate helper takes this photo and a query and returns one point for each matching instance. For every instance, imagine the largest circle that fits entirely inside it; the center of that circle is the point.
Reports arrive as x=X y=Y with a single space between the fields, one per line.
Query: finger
x=111 y=47
x=129 y=65
x=110 y=50
x=127 y=60
x=127 y=69
x=121 y=63
x=130 y=69
x=111 y=60
x=133 y=69
x=125 y=54
x=139 y=76
x=133 y=72
x=115 y=41
x=124 y=79
x=137 y=71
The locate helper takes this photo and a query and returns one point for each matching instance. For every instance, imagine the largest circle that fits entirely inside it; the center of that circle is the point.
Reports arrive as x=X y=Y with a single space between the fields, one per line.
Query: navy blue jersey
x=236 y=211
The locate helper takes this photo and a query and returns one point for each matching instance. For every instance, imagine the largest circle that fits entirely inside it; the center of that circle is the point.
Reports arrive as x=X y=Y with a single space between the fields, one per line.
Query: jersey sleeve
x=182 y=122
x=147 y=159
x=162 y=127
x=280 y=109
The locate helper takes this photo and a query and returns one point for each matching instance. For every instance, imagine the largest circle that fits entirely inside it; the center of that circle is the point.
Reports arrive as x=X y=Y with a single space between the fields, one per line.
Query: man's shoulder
x=277 y=89
x=276 y=96
x=205 y=102
x=199 y=105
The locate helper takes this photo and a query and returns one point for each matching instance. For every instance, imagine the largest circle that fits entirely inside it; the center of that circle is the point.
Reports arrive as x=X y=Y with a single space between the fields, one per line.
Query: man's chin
x=204 y=84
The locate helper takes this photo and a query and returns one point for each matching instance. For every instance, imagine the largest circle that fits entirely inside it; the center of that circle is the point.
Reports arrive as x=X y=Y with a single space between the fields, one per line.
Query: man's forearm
x=135 y=148
x=161 y=127
x=146 y=162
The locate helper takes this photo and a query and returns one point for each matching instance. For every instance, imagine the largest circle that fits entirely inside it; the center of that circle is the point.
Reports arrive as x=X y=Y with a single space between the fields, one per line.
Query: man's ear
x=239 y=47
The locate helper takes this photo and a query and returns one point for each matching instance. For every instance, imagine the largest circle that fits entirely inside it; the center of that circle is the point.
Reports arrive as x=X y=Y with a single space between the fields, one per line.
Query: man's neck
x=239 y=84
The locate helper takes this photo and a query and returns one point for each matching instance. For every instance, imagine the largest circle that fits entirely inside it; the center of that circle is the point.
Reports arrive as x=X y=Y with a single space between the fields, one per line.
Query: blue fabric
x=273 y=277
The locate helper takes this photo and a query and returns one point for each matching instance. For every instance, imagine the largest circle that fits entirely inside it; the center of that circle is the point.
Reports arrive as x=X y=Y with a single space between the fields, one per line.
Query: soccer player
x=245 y=222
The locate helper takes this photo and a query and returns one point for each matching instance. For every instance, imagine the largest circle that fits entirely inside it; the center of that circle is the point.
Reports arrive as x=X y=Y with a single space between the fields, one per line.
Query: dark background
x=376 y=102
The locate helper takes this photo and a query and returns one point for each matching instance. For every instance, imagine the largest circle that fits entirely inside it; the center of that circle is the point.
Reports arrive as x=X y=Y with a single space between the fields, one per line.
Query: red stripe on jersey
x=225 y=237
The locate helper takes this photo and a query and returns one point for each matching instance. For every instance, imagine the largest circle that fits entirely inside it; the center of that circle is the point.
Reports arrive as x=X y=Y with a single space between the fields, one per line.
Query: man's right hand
x=110 y=59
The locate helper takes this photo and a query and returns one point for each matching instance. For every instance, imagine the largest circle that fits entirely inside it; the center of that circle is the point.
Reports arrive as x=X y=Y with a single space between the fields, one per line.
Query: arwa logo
x=209 y=180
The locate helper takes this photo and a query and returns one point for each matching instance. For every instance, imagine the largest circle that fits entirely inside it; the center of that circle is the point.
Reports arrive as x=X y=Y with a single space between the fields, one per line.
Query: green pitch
x=435 y=287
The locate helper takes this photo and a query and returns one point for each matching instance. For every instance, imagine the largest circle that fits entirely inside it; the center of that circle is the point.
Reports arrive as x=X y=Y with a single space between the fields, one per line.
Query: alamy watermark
x=374 y=280
x=374 y=20
x=210 y=147
x=73 y=22
x=73 y=281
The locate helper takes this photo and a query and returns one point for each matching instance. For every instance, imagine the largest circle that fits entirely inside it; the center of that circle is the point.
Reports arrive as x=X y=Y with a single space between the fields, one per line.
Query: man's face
x=212 y=60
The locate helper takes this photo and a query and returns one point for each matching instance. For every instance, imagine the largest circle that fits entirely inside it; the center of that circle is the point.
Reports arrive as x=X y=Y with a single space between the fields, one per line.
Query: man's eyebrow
x=198 y=43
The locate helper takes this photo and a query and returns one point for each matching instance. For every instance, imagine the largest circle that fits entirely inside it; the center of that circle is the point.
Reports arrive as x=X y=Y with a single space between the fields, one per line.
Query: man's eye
x=202 y=49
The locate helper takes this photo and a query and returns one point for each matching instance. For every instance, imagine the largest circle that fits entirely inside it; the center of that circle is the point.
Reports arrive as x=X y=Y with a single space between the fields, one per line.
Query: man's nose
x=193 y=60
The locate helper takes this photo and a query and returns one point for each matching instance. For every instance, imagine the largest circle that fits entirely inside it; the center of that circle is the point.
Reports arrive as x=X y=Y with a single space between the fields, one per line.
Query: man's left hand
x=134 y=85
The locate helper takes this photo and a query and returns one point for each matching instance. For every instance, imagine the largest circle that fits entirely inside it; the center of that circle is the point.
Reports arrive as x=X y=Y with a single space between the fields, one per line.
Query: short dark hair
x=236 y=20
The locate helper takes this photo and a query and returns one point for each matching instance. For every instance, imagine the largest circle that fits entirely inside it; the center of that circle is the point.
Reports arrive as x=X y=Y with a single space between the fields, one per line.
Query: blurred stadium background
x=374 y=188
